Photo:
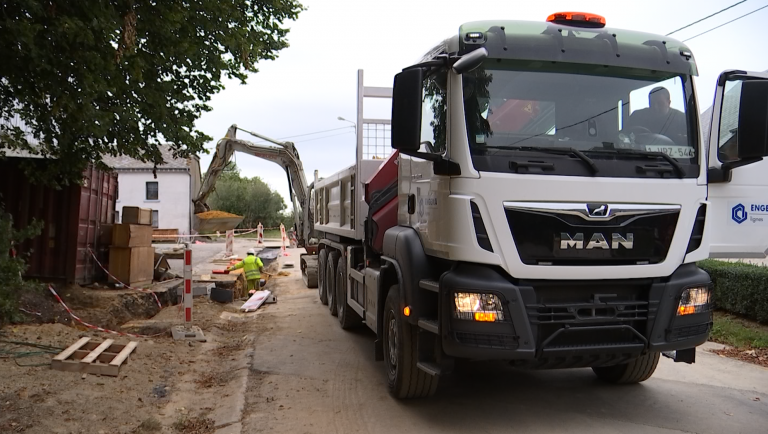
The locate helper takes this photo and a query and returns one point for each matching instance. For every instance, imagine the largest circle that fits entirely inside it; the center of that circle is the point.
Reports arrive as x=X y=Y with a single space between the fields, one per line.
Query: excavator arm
x=283 y=154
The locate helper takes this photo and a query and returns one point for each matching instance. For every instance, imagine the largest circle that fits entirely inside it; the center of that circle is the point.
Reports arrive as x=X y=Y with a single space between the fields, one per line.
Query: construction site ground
x=290 y=368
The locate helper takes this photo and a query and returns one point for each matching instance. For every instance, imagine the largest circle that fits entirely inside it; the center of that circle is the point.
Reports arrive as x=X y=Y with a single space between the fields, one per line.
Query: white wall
x=174 y=199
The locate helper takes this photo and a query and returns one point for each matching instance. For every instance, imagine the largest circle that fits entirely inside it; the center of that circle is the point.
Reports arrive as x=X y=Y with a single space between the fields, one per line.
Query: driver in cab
x=660 y=118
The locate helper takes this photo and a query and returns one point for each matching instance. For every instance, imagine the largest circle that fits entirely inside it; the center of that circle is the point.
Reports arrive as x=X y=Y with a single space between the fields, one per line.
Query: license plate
x=673 y=151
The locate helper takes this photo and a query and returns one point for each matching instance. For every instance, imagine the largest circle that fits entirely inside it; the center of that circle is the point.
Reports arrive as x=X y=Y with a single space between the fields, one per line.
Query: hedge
x=740 y=288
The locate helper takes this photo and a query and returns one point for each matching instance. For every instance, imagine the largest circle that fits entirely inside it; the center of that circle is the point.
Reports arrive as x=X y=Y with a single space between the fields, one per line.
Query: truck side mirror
x=752 y=133
x=406 y=110
x=470 y=61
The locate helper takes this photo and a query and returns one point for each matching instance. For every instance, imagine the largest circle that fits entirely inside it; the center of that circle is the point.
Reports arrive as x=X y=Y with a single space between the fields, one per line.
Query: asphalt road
x=309 y=376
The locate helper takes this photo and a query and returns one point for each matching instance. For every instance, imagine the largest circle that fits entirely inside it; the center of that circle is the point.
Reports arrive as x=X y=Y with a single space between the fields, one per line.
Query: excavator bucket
x=213 y=221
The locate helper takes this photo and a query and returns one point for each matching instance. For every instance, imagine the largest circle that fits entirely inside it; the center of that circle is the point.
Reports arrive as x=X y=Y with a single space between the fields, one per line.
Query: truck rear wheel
x=322 y=259
x=330 y=279
x=635 y=371
x=348 y=318
x=309 y=271
x=405 y=379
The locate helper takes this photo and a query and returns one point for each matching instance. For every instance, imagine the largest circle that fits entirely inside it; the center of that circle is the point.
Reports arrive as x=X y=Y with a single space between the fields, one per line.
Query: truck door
x=737 y=172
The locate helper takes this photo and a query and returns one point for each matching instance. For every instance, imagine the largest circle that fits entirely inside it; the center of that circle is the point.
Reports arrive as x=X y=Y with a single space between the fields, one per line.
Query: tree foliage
x=248 y=197
x=81 y=79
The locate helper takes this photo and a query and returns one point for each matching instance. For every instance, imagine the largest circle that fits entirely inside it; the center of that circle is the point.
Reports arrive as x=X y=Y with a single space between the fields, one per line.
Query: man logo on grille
x=597 y=209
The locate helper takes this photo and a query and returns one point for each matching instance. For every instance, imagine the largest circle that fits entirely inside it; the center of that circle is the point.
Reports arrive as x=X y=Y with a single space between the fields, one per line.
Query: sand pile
x=215 y=215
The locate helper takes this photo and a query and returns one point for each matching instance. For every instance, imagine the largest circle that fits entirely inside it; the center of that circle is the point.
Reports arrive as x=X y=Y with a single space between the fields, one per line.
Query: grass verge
x=748 y=339
x=737 y=332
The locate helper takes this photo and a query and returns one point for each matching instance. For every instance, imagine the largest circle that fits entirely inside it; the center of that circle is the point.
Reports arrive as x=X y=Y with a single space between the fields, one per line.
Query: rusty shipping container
x=73 y=218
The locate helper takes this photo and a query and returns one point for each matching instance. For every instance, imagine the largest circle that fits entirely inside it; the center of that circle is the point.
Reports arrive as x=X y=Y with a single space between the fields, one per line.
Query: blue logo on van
x=739 y=214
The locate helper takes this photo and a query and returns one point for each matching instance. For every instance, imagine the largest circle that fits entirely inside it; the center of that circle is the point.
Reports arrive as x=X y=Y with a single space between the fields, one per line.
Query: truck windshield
x=613 y=117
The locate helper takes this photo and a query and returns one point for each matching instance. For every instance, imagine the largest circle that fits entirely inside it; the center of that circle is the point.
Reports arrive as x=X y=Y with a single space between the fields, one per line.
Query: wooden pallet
x=98 y=358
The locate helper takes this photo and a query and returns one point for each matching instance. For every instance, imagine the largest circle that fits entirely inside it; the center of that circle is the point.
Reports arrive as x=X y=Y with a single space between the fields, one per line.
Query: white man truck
x=550 y=192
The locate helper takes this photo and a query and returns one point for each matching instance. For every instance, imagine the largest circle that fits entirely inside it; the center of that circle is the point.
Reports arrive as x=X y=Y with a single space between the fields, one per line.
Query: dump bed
x=340 y=209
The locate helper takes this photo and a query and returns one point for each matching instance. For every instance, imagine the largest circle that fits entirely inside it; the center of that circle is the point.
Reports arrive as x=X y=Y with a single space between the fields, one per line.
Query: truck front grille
x=552 y=238
x=573 y=313
x=615 y=313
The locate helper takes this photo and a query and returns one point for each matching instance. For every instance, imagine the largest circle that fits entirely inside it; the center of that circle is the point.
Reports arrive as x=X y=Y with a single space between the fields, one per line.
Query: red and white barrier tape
x=127 y=286
x=30 y=312
x=245 y=232
x=91 y=326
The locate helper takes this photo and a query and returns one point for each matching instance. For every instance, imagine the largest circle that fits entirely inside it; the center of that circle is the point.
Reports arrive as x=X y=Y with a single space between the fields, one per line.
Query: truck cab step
x=429 y=325
x=430 y=285
x=430 y=368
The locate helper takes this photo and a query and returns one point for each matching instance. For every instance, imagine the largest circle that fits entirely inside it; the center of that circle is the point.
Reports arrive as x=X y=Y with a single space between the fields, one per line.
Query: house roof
x=127 y=163
x=19 y=153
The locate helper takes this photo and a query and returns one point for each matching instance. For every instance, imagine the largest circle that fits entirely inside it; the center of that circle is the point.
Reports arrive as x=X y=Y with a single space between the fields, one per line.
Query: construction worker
x=253 y=268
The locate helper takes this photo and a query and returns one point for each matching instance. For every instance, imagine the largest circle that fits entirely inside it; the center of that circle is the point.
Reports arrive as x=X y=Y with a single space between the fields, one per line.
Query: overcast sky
x=313 y=81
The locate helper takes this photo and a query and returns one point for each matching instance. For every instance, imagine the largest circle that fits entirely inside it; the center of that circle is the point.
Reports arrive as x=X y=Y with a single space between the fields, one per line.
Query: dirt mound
x=40 y=307
x=106 y=308
x=215 y=215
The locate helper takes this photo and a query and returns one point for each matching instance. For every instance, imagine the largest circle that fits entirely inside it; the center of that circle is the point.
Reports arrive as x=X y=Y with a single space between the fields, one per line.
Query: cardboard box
x=125 y=235
x=137 y=216
x=133 y=266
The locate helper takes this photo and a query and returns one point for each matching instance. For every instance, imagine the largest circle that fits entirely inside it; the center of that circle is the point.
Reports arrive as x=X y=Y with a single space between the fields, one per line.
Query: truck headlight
x=478 y=307
x=694 y=300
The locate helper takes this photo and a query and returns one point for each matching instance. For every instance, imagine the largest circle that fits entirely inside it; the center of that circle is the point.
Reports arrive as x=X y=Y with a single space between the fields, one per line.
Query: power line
x=308 y=140
x=302 y=135
x=324 y=137
x=705 y=18
x=721 y=25
x=316 y=132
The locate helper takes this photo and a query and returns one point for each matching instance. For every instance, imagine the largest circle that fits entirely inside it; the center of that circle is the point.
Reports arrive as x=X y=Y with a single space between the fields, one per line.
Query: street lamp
x=346 y=120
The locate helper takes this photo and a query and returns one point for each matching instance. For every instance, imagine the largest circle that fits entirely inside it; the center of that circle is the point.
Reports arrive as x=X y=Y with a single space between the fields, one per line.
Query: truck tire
x=348 y=318
x=309 y=271
x=330 y=280
x=635 y=371
x=405 y=379
x=322 y=259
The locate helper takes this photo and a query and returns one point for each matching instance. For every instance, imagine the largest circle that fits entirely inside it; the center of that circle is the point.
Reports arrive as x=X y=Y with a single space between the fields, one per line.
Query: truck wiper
x=551 y=150
x=672 y=162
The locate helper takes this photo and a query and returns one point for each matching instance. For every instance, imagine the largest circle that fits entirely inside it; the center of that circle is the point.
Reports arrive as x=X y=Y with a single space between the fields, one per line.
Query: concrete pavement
x=309 y=376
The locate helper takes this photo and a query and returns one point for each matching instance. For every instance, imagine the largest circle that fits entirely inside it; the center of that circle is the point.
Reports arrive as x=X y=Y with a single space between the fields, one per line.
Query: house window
x=155 y=218
x=152 y=191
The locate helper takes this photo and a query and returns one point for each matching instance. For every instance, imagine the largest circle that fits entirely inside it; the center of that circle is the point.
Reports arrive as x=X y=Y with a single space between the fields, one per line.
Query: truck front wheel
x=635 y=371
x=322 y=259
x=405 y=379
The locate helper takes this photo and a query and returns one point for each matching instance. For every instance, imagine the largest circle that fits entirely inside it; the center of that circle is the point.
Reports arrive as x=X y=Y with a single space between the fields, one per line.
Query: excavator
x=284 y=154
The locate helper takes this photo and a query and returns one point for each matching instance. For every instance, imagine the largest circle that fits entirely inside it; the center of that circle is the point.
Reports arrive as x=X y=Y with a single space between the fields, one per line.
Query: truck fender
x=390 y=275
x=403 y=249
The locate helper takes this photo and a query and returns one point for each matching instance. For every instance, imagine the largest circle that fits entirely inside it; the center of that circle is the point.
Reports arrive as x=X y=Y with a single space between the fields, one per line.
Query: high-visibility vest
x=251 y=265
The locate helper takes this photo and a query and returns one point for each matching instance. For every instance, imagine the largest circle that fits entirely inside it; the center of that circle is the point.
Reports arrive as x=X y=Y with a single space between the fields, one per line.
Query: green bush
x=11 y=268
x=740 y=288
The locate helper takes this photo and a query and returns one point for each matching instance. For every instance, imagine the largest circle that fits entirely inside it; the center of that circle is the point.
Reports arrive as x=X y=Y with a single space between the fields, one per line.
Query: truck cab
x=554 y=192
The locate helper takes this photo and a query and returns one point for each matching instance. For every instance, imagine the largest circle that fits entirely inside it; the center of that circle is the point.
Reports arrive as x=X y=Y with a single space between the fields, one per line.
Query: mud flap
x=687 y=355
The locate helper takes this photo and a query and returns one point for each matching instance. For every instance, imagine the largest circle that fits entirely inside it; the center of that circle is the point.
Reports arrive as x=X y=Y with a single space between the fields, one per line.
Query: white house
x=169 y=194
